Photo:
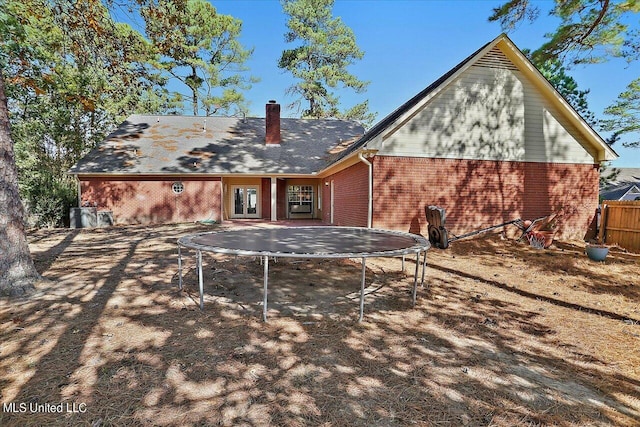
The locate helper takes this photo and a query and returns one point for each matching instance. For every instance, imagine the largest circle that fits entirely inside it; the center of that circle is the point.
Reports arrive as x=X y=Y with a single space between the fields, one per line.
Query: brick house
x=155 y=169
x=489 y=141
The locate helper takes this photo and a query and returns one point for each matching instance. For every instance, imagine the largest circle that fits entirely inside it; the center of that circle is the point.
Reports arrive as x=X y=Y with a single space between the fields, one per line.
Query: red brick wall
x=351 y=200
x=265 y=198
x=281 y=199
x=478 y=194
x=145 y=201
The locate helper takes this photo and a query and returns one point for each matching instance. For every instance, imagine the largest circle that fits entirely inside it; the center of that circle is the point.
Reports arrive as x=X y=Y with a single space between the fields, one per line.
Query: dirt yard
x=504 y=335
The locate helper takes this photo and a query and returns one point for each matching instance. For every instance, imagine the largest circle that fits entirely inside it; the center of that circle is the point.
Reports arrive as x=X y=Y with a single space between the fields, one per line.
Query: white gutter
x=370 y=165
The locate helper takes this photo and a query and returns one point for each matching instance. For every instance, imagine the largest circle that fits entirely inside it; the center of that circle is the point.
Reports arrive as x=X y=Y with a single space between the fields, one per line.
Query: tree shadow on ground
x=114 y=335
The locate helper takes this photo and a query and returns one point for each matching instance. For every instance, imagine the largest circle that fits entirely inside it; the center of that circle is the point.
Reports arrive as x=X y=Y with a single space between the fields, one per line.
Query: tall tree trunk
x=17 y=272
x=194 y=89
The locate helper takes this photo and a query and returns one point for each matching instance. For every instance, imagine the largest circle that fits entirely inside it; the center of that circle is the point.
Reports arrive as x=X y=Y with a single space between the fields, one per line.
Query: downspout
x=370 y=165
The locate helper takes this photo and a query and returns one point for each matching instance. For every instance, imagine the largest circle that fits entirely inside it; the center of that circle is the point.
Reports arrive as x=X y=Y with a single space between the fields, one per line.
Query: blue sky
x=408 y=44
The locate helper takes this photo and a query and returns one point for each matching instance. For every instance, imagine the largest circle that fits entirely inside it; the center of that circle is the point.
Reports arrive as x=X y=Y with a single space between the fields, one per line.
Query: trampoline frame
x=421 y=245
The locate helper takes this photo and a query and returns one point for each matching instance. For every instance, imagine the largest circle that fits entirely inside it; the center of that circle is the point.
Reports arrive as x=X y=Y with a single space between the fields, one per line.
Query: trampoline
x=305 y=242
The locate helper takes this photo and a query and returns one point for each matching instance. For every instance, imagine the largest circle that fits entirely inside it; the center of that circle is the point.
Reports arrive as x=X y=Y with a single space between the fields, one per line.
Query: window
x=177 y=187
x=300 y=194
x=300 y=198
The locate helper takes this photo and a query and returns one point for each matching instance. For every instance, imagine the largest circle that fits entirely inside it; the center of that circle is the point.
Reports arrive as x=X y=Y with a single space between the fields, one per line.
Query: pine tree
x=18 y=274
x=200 y=48
x=326 y=47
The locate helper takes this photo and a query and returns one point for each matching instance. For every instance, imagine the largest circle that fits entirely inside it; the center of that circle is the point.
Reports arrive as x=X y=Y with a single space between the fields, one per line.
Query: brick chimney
x=273 y=123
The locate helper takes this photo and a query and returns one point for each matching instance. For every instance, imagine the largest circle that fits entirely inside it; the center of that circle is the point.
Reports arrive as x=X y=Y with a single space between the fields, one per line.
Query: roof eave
x=80 y=175
x=344 y=162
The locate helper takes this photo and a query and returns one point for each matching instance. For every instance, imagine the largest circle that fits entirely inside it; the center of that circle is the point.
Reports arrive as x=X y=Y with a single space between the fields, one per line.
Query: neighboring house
x=625 y=185
x=489 y=141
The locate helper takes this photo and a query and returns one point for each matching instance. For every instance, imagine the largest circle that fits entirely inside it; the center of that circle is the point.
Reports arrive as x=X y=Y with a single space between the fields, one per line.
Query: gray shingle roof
x=216 y=145
x=627 y=179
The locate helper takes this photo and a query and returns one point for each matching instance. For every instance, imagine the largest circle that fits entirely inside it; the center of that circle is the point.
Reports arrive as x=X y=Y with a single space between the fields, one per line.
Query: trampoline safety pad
x=305 y=242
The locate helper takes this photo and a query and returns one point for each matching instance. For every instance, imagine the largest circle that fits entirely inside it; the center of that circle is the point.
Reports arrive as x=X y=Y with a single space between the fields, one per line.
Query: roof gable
x=500 y=53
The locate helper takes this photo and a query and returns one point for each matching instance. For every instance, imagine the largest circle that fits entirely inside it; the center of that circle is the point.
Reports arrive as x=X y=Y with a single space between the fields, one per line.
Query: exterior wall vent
x=495 y=58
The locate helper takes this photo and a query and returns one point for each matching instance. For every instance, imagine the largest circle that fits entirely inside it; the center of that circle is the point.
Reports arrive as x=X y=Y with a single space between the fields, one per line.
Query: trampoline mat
x=325 y=242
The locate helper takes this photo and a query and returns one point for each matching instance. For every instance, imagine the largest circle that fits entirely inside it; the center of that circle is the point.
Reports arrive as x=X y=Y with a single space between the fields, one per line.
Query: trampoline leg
x=179 y=268
x=364 y=270
x=415 y=279
x=266 y=283
x=200 y=284
x=424 y=266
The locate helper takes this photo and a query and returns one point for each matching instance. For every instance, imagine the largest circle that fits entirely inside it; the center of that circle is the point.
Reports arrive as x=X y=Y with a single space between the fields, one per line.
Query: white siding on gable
x=559 y=140
x=490 y=112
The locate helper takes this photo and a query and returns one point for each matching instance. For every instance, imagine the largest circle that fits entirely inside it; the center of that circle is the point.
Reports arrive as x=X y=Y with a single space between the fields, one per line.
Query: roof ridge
x=191 y=116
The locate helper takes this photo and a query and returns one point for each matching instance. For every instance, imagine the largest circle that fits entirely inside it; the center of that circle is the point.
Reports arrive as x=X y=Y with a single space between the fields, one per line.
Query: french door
x=245 y=201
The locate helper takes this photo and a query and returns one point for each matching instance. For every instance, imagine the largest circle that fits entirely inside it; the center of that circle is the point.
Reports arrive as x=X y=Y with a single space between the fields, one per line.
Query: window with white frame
x=300 y=198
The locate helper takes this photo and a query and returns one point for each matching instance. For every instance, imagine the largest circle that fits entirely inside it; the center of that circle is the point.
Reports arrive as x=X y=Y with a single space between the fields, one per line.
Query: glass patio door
x=244 y=202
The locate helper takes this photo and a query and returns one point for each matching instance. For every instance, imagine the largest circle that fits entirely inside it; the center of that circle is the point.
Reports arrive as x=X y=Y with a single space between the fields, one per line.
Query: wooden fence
x=620 y=224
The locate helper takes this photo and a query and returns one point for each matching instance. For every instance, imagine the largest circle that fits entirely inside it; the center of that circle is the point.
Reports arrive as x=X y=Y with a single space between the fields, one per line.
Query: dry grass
x=506 y=335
